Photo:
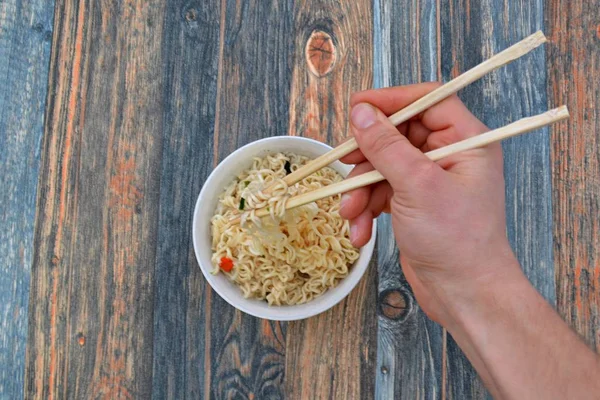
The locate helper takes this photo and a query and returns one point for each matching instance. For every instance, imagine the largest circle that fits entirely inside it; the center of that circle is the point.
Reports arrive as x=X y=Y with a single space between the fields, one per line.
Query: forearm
x=520 y=346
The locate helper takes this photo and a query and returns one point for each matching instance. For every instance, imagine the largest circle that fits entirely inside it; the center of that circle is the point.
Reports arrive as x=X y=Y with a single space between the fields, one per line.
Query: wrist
x=518 y=344
x=479 y=298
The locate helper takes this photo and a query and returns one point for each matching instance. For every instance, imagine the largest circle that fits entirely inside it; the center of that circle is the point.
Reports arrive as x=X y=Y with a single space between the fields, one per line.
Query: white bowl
x=226 y=171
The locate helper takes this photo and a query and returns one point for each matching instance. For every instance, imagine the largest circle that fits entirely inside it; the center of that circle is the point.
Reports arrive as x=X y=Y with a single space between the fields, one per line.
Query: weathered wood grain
x=471 y=32
x=331 y=355
x=91 y=303
x=182 y=325
x=245 y=356
x=574 y=59
x=25 y=39
x=255 y=64
x=112 y=242
x=410 y=346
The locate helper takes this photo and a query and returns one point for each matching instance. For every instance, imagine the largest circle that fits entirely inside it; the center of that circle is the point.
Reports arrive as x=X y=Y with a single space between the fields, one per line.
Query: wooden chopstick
x=516 y=128
x=510 y=54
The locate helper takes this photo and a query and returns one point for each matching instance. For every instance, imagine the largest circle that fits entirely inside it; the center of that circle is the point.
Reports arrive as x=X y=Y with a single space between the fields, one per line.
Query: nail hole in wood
x=321 y=53
x=190 y=15
x=81 y=339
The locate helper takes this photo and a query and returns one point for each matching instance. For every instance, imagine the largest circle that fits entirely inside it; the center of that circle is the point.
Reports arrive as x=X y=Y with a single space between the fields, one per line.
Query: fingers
x=376 y=198
x=388 y=151
x=452 y=112
x=381 y=195
x=442 y=138
x=449 y=112
x=356 y=157
x=360 y=206
x=355 y=201
x=417 y=134
x=391 y=100
x=361 y=228
x=361 y=224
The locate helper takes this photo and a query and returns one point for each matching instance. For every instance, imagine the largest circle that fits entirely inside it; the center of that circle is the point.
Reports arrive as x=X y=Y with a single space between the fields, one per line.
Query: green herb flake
x=242 y=203
x=246 y=183
x=288 y=167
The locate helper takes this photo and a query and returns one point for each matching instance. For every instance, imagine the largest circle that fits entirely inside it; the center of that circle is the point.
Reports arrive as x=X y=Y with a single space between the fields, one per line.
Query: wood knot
x=393 y=304
x=55 y=260
x=321 y=53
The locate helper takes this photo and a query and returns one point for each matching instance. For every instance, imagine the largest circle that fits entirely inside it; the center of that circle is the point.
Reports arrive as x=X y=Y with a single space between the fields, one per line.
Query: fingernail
x=363 y=116
x=345 y=200
x=353 y=233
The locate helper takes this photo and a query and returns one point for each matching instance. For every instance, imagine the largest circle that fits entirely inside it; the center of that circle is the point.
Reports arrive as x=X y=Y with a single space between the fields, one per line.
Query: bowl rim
x=368 y=248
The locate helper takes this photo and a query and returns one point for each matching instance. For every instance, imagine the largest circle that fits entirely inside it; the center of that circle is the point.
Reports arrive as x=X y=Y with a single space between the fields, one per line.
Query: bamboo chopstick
x=510 y=54
x=516 y=128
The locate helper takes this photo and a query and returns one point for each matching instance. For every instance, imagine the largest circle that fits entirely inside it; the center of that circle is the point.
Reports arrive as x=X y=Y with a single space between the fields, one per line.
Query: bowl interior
x=222 y=176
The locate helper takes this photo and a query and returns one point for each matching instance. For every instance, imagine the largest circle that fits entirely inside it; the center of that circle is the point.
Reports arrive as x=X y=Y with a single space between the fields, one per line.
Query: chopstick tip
x=541 y=33
x=539 y=37
x=563 y=112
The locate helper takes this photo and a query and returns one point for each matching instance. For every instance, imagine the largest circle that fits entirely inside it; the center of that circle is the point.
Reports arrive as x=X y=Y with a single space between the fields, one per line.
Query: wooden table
x=113 y=113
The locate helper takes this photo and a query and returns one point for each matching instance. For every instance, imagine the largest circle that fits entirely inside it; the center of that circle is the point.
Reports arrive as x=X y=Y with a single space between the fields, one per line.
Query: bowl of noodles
x=291 y=264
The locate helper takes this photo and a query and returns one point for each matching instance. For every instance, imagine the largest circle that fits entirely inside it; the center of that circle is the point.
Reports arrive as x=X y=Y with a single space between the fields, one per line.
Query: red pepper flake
x=226 y=264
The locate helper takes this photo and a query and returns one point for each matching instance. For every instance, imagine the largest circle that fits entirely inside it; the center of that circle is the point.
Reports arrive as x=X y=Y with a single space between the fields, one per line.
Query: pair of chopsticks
x=517 y=128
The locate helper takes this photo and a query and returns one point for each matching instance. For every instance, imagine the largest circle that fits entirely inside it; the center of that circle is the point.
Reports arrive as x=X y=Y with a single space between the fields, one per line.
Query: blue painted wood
x=410 y=346
x=90 y=329
x=515 y=91
x=181 y=367
x=25 y=40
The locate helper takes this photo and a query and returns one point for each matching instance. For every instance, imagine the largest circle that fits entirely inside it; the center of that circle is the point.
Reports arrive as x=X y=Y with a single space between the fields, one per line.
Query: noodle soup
x=289 y=257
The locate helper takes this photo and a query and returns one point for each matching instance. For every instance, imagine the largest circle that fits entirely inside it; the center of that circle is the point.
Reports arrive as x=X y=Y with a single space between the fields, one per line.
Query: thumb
x=388 y=150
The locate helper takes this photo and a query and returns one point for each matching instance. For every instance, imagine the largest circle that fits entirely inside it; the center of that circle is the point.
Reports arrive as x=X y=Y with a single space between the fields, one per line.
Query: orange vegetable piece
x=226 y=264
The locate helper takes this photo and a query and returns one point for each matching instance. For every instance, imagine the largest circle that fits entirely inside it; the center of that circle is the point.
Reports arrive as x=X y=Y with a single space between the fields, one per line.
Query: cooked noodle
x=289 y=257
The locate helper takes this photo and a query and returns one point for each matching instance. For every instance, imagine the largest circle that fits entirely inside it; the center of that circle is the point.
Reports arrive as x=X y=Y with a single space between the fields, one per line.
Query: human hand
x=448 y=217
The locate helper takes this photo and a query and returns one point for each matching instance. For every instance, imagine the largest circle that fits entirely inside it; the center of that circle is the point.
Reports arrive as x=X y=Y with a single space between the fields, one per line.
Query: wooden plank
x=409 y=346
x=190 y=51
x=91 y=304
x=574 y=58
x=331 y=355
x=472 y=32
x=25 y=40
x=245 y=356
